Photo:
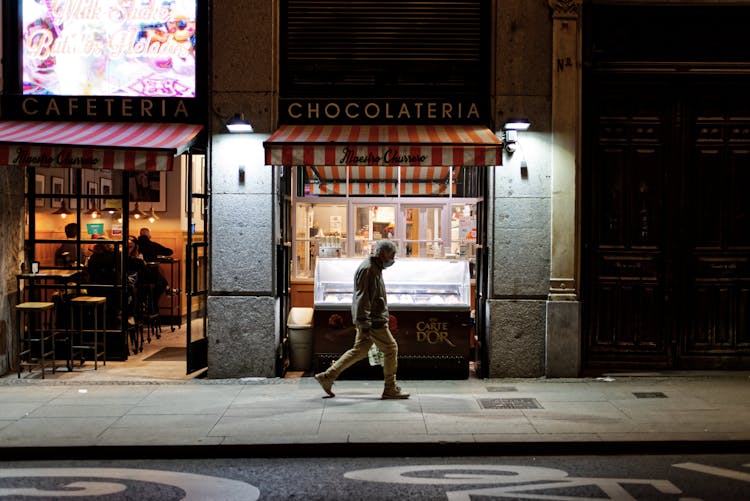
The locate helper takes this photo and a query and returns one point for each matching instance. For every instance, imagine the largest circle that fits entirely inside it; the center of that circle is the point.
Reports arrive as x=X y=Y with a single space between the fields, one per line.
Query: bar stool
x=35 y=321
x=150 y=312
x=94 y=304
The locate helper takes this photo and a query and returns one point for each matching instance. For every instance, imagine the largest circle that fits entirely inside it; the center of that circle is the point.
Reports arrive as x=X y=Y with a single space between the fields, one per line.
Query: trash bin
x=299 y=329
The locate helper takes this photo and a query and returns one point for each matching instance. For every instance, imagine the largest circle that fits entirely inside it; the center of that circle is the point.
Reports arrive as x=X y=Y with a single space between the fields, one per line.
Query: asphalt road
x=622 y=477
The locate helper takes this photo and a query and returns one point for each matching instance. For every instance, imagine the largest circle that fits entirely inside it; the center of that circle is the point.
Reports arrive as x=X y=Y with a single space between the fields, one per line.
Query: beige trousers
x=383 y=339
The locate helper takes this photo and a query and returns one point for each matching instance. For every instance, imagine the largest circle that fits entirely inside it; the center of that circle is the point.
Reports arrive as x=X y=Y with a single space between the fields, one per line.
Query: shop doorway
x=666 y=222
x=342 y=222
x=197 y=264
x=166 y=340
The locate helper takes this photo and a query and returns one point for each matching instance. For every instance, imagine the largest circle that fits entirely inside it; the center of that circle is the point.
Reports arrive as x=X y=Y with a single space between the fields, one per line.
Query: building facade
x=614 y=234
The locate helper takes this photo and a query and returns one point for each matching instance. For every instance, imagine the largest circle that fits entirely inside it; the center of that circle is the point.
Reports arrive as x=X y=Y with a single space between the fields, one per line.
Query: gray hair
x=384 y=245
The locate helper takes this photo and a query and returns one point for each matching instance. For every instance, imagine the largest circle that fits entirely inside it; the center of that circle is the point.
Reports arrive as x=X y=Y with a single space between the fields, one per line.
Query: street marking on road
x=538 y=482
x=78 y=489
x=714 y=470
x=196 y=487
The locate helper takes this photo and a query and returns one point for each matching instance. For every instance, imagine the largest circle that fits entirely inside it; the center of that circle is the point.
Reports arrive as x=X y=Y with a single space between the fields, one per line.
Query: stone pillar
x=243 y=314
x=12 y=209
x=518 y=228
x=563 y=350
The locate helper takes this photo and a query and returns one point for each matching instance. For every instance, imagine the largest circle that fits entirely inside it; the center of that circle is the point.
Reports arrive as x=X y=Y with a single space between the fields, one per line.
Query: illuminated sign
x=382 y=111
x=137 y=48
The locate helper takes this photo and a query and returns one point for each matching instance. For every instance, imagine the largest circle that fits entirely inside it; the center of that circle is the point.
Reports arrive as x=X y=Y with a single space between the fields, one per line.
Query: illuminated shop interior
x=341 y=211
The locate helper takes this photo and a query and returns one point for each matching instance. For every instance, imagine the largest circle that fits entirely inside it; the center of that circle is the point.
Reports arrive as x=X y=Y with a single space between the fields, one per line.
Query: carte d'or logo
x=433 y=331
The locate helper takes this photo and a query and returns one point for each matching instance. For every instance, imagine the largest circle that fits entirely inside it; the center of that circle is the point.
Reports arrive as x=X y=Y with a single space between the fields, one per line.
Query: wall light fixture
x=510 y=130
x=238 y=124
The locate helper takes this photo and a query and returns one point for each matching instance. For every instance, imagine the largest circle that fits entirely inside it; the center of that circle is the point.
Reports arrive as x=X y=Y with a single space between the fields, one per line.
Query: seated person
x=69 y=254
x=150 y=249
x=103 y=269
x=136 y=273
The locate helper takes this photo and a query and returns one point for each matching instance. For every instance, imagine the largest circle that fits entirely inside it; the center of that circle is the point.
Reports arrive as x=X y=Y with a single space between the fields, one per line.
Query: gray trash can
x=299 y=329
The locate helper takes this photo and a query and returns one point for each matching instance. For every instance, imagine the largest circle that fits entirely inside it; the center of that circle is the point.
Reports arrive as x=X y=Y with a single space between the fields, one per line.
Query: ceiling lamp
x=137 y=213
x=117 y=216
x=93 y=212
x=152 y=217
x=63 y=211
x=238 y=124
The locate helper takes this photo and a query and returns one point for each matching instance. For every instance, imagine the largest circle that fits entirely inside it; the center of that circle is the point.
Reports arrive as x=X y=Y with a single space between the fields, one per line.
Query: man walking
x=370 y=316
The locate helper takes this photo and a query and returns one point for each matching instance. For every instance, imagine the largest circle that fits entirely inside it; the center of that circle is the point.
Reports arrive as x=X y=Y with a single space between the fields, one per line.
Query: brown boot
x=325 y=382
x=394 y=393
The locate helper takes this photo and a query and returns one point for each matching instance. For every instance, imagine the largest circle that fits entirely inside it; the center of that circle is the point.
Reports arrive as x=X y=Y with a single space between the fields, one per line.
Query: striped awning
x=384 y=145
x=376 y=188
x=96 y=145
x=378 y=180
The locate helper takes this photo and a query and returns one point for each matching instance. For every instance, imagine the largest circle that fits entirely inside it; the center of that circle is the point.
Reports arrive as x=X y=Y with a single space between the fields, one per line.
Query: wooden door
x=666 y=225
x=714 y=315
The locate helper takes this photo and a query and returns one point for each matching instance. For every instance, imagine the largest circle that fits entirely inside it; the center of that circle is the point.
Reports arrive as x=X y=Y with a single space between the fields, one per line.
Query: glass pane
x=463 y=230
x=320 y=230
x=423 y=236
x=373 y=223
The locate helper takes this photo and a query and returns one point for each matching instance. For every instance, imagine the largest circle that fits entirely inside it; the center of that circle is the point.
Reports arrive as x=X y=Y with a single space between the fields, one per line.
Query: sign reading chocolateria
x=383 y=111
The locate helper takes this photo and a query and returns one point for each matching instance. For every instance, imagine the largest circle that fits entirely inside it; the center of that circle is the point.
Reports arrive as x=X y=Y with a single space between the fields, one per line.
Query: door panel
x=625 y=264
x=666 y=264
x=713 y=332
x=196 y=264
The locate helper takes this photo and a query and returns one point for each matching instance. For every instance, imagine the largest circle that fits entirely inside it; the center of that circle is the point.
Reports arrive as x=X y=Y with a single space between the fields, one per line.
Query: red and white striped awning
x=384 y=145
x=376 y=188
x=96 y=145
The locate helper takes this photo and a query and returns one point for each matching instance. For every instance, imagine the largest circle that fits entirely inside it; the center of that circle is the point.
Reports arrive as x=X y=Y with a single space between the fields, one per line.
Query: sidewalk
x=281 y=416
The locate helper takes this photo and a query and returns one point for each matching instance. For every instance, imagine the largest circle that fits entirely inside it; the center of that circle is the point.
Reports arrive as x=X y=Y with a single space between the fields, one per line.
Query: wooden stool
x=40 y=330
x=95 y=303
x=150 y=313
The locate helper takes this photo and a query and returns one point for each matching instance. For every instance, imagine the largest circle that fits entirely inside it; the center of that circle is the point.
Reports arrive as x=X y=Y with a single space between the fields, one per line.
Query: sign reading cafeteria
x=139 y=48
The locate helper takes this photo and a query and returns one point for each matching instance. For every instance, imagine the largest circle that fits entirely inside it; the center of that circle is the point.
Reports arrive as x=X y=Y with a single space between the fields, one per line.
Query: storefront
x=82 y=194
x=104 y=118
x=420 y=186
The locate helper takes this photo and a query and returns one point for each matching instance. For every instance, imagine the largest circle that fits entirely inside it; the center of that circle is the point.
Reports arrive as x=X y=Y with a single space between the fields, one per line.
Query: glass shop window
x=320 y=230
x=373 y=223
x=463 y=230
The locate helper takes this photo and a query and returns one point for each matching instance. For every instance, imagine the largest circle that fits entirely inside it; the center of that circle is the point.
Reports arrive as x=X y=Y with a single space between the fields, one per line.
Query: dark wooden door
x=666 y=258
x=714 y=320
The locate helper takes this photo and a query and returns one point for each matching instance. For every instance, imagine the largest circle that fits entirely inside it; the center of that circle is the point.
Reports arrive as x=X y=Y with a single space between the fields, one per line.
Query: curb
x=384 y=449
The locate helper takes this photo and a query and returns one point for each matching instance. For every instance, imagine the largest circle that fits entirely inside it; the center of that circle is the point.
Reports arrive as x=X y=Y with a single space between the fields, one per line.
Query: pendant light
x=93 y=212
x=152 y=217
x=63 y=211
x=137 y=213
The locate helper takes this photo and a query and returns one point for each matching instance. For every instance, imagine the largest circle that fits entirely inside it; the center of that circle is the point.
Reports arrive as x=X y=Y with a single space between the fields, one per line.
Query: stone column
x=243 y=314
x=563 y=350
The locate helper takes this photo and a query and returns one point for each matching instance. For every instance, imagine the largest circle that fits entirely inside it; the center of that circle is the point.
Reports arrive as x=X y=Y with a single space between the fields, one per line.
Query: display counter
x=429 y=301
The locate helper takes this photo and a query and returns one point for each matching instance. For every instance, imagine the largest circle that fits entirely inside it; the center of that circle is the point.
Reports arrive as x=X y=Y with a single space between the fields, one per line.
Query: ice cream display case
x=430 y=316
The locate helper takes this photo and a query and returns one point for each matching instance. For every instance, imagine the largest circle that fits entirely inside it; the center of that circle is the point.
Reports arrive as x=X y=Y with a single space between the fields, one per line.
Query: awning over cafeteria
x=385 y=145
x=97 y=145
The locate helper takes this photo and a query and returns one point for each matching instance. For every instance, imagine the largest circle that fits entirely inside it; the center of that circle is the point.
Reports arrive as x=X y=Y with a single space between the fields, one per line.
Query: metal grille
x=509 y=403
x=383 y=30
x=384 y=48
